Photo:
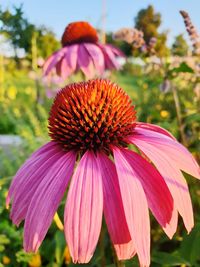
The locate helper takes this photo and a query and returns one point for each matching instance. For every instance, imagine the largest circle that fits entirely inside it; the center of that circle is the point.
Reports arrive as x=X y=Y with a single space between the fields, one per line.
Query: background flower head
x=82 y=51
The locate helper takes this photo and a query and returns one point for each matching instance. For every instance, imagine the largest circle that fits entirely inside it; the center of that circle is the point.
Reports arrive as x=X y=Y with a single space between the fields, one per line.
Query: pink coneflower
x=82 y=51
x=91 y=125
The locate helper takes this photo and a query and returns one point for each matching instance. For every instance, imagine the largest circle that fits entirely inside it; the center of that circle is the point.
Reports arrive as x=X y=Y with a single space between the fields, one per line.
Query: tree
x=148 y=22
x=23 y=34
x=46 y=42
x=161 y=47
x=17 y=28
x=180 y=46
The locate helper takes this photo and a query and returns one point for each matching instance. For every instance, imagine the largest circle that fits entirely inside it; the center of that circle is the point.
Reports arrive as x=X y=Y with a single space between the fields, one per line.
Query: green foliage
x=180 y=46
x=161 y=45
x=46 y=42
x=20 y=32
x=148 y=21
x=189 y=248
x=167 y=259
x=182 y=68
x=16 y=28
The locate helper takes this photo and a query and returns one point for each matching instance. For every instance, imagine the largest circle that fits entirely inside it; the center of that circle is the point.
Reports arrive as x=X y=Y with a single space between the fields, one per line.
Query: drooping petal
x=45 y=201
x=176 y=152
x=85 y=61
x=171 y=227
x=115 y=50
x=72 y=56
x=51 y=62
x=157 y=193
x=114 y=210
x=173 y=177
x=153 y=127
x=29 y=167
x=109 y=57
x=97 y=56
x=30 y=184
x=125 y=251
x=84 y=209
x=65 y=69
x=135 y=207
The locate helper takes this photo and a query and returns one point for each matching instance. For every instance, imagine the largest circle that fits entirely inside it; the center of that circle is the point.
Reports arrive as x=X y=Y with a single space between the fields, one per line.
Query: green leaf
x=4 y=240
x=60 y=246
x=168 y=259
x=22 y=256
x=194 y=117
x=183 y=67
x=190 y=245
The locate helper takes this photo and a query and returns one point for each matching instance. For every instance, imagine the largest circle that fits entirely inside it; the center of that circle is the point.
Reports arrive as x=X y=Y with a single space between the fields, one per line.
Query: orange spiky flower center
x=78 y=32
x=91 y=115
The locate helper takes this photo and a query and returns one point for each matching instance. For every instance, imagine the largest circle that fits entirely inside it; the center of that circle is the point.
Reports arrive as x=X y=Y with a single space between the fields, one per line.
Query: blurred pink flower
x=92 y=123
x=130 y=35
x=52 y=85
x=82 y=51
x=40 y=62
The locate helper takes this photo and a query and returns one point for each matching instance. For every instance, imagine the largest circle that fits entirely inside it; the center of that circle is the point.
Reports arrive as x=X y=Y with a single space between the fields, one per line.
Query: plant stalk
x=179 y=115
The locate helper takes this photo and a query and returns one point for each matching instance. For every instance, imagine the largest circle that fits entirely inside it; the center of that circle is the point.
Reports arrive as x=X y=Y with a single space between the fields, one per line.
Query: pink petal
x=113 y=209
x=97 y=56
x=85 y=61
x=158 y=195
x=29 y=166
x=65 y=69
x=51 y=62
x=48 y=62
x=115 y=50
x=62 y=68
x=30 y=184
x=84 y=208
x=171 y=227
x=177 y=153
x=135 y=207
x=173 y=178
x=153 y=127
x=45 y=201
x=72 y=56
x=125 y=251
x=109 y=56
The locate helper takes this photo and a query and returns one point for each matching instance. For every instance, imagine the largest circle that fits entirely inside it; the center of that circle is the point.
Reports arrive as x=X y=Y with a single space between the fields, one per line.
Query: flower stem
x=179 y=115
x=117 y=262
x=120 y=263
x=101 y=245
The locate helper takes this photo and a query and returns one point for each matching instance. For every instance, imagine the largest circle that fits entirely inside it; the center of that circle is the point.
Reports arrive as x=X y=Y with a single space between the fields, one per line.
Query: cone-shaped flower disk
x=82 y=51
x=92 y=123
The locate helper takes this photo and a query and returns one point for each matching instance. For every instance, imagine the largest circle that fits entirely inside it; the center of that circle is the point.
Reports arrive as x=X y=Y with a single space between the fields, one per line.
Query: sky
x=56 y=14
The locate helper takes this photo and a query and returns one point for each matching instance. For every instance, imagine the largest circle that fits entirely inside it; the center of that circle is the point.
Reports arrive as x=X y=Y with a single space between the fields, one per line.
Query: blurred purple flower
x=52 y=85
x=192 y=31
x=165 y=86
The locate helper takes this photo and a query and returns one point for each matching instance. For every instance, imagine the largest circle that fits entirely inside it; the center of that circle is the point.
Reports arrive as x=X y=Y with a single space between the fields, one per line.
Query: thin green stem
x=179 y=115
x=101 y=245
x=117 y=262
x=120 y=264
